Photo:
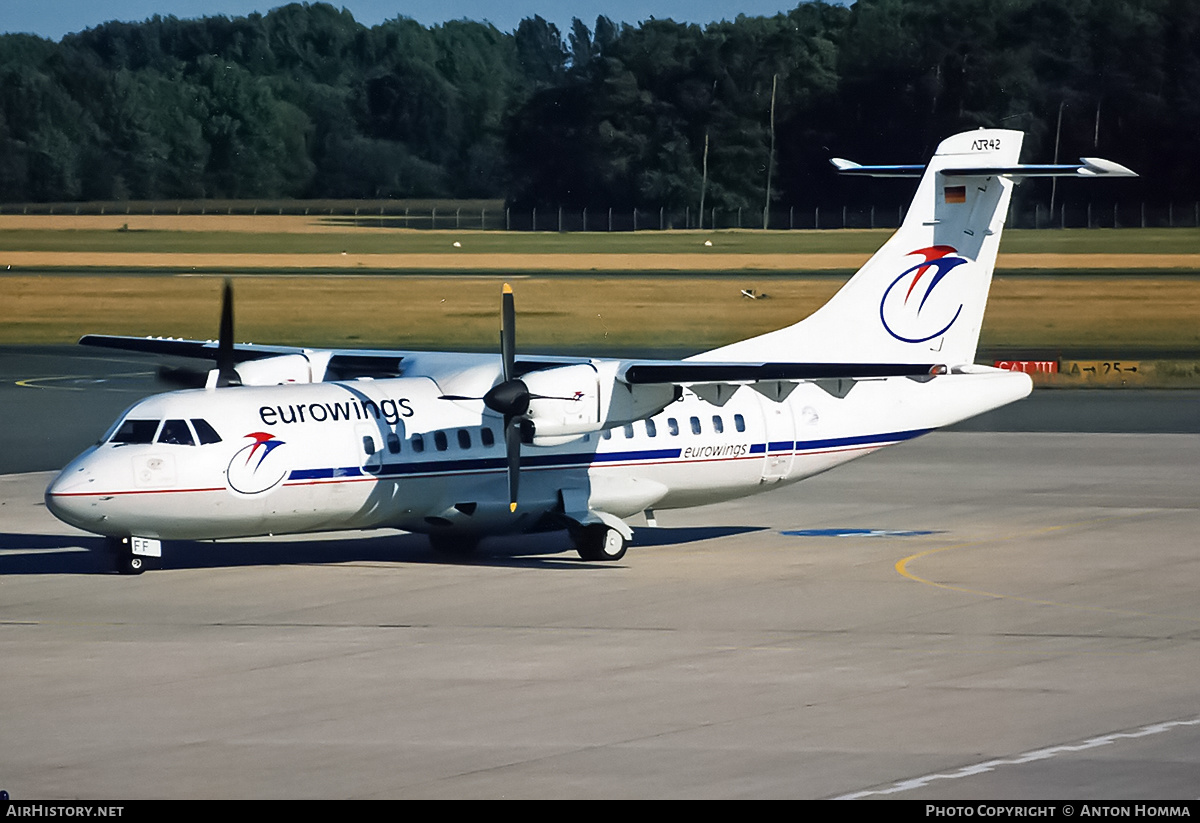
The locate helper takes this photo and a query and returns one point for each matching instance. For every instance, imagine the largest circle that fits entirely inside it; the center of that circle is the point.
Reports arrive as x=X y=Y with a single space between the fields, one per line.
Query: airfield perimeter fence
x=493 y=215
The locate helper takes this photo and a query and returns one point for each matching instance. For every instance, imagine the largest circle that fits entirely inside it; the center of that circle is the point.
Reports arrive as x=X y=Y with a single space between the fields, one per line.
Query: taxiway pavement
x=1021 y=623
x=979 y=615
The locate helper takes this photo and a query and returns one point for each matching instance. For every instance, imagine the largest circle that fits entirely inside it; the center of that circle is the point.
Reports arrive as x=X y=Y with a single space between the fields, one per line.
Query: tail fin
x=921 y=297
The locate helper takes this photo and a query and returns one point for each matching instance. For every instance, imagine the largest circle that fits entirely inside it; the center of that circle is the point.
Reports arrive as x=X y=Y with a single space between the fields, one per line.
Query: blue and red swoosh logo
x=264 y=444
x=249 y=471
x=906 y=310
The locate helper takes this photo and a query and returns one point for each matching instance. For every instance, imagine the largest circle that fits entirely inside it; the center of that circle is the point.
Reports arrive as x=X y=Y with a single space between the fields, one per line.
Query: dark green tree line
x=306 y=102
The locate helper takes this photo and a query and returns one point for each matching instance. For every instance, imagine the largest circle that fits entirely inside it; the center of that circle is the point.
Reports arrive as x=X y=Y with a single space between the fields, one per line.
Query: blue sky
x=54 y=18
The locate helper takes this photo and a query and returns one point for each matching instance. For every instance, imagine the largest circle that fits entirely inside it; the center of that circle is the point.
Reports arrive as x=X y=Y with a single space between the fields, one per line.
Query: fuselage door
x=781 y=440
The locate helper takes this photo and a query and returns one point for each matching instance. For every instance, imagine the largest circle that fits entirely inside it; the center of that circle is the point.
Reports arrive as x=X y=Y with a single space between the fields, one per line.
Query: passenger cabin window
x=651 y=428
x=418 y=443
x=695 y=421
x=464 y=439
x=739 y=422
x=205 y=432
x=368 y=444
x=135 y=431
x=440 y=442
x=486 y=437
x=718 y=424
x=393 y=443
x=176 y=433
x=628 y=428
x=673 y=426
x=607 y=435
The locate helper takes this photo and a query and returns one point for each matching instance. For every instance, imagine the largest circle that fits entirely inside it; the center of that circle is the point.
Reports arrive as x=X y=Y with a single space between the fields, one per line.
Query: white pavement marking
x=1027 y=757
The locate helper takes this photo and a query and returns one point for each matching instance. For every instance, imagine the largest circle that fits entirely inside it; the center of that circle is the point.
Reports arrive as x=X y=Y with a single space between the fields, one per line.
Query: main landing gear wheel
x=122 y=552
x=599 y=542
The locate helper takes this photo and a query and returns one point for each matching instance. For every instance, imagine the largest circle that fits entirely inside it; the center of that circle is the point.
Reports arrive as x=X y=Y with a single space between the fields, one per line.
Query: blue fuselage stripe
x=324 y=474
x=858 y=440
x=435 y=466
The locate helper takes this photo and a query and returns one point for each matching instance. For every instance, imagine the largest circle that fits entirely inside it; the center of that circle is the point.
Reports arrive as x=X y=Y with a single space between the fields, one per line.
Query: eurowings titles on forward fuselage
x=460 y=446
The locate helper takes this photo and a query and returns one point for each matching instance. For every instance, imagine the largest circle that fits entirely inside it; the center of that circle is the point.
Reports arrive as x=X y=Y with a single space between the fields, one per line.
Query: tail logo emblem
x=912 y=310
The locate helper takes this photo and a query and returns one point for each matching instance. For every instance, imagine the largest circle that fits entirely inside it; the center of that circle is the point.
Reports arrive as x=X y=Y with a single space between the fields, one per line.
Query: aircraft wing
x=176 y=347
x=338 y=364
x=717 y=382
x=684 y=372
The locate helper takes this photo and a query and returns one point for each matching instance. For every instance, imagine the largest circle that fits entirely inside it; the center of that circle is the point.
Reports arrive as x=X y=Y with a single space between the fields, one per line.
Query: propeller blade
x=226 y=374
x=512 y=443
x=551 y=397
x=508 y=332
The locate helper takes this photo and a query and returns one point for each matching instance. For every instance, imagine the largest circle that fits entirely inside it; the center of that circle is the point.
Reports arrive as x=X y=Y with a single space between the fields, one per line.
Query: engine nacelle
x=565 y=404
x=624 y=403
x=572 y=401
x=271 y=371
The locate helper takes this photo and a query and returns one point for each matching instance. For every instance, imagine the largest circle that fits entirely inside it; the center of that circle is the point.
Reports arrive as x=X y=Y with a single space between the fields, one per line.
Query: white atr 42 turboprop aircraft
x=461 y=446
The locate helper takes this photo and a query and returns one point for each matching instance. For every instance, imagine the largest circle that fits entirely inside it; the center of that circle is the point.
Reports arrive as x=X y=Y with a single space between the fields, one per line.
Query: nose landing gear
x=133 y=555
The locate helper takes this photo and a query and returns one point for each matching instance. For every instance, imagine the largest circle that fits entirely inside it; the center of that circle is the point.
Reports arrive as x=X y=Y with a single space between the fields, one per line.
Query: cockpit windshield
x=172 y=432
x=205 y=432
x=135 y=431
x=177 y=433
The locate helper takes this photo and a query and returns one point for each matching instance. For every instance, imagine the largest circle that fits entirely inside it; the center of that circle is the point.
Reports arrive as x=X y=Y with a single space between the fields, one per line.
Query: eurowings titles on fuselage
x=389 y=409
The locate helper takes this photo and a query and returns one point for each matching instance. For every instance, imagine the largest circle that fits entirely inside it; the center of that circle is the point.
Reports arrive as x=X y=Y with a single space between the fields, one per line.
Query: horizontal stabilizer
x=849 y=167
x=1086 y=167
x=1094 y=166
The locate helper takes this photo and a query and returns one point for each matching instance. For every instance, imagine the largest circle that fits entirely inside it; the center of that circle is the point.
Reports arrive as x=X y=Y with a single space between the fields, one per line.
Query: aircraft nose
x=69 y=497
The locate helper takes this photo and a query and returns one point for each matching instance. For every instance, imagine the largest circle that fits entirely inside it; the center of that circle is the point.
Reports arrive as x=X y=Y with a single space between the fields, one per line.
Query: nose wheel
x=121 y=550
